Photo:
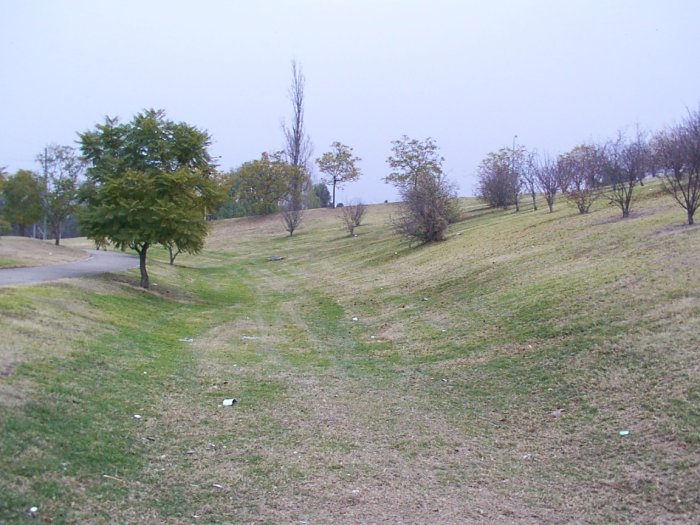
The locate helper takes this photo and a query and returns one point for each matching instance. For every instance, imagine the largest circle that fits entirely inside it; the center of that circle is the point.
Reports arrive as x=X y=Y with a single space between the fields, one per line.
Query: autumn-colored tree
x=412 y=159
x=258 y=186
x=339 y=165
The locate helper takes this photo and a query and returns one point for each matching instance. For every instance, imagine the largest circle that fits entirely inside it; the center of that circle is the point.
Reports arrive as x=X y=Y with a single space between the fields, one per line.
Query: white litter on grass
x=229 y=402
x=217 y=486
x=354 y=318
x=250 y=337
x=32 y=511
x=624 y=432
x=137 y=416
x=186 y=340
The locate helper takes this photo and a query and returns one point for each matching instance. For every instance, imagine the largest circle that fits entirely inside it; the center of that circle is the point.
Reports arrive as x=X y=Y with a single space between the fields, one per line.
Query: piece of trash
x=216 y=486
x=107 y=476
x=425 y=298
x=272 y=258
x=32 y=511
x=229 y=402
x=624 y=432
x=354 y=318
x=372 y=337
x=186 y=340
x=190 y=452
x=137 y=416
x=250 y=337
x=526 y=456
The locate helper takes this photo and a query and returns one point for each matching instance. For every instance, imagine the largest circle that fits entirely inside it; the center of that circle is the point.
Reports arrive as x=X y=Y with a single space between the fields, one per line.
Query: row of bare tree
x=612 y=170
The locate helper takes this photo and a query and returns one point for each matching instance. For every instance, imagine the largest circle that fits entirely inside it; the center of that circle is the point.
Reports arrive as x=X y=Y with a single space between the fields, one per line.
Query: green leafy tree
x=322 y=195
x=23 y=194
x=4 y=225
x=63 y=166
x=260 y=185
x=150 y=181
x=339 y=165
x=411 y=160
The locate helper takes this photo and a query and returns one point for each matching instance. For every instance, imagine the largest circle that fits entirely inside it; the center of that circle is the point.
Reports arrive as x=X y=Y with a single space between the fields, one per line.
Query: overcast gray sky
x=470 y=74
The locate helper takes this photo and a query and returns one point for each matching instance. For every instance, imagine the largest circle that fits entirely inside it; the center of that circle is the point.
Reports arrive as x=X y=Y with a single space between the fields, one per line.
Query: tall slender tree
x=298 y=147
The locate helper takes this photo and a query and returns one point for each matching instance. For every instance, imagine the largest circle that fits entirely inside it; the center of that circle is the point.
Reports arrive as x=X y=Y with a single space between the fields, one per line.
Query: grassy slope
x=485 y=379
x=21 y=251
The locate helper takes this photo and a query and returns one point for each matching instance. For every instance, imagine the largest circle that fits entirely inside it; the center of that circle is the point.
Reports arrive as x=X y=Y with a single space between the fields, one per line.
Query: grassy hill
x=533 y=368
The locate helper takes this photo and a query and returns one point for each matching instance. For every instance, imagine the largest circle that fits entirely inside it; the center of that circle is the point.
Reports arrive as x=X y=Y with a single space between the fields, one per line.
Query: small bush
x=429 y=206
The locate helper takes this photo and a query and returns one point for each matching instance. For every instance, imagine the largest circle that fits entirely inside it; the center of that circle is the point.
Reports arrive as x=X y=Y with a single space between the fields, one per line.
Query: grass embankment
x=483 y=379
x=18 y=252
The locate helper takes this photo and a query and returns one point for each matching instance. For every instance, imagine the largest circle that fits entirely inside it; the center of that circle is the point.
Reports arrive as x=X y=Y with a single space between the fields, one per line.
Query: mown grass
x=483 y=379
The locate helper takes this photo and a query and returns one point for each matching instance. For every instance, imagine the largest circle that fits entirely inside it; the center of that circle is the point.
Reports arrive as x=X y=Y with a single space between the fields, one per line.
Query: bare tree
x=528 y=175
x=298 y=147
x=429 y=206
x=580 y=173
x=626 y=164
x=351 y=215
x=547 y=179
x=292 y=215
x=62 y=169
x=677 y=156
x=499 y=178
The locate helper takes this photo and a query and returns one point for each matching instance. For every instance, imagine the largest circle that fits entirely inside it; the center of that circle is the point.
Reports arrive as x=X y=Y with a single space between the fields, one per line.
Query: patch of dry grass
x=22 y=251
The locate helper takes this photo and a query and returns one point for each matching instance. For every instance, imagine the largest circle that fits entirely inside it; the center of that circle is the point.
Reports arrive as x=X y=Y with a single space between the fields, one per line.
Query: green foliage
x=23 y=199
x=339 y=165
x=411 y=160
x=150 y=181
x=320 y=196
x=258 y=186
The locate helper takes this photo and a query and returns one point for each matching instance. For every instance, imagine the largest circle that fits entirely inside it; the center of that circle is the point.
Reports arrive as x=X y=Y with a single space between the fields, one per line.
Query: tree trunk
x=58 y=234
x=333 y=193
x=691 y=212
x=142 y=265
x=534 y=202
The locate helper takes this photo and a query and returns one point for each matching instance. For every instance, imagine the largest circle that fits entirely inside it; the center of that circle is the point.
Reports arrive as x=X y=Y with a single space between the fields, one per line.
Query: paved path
x=98 y=262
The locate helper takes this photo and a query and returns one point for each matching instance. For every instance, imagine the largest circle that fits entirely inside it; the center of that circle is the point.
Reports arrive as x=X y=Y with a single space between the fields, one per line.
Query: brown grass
x=33 y=252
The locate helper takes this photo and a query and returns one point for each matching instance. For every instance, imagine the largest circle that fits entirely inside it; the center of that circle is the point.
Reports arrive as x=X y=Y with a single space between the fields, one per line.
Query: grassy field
x=485 y=379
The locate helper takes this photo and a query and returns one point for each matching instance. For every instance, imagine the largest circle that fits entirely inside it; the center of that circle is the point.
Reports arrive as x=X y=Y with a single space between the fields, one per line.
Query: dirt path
x=98 y=262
